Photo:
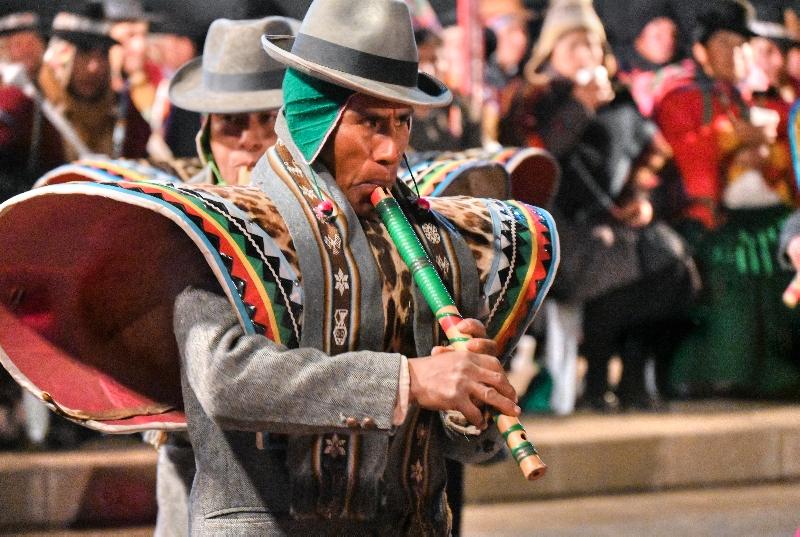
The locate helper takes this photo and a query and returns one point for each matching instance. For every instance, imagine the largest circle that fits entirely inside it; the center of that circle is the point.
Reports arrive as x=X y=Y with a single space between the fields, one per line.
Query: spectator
x=131 y=69
x=449 y=128
x=76 y=78
x=506 y=24
x=770 y=89
x=29 y=146
x=646 y=63
x=568 y=106
x=173 y=42
x=722 y=148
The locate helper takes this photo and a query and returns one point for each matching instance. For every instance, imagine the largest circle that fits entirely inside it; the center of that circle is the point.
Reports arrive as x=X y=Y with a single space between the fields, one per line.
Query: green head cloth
x=312 y=108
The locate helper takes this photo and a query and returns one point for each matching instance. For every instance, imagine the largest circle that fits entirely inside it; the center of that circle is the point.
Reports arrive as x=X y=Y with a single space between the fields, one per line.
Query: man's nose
x=251 y=138
x=388 y=148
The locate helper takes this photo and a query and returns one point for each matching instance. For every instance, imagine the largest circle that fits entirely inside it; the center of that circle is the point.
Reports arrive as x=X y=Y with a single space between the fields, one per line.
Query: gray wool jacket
x=236 y=385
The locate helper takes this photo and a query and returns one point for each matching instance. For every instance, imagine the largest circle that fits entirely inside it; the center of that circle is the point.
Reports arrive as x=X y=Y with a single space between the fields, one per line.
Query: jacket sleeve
x=247 y=382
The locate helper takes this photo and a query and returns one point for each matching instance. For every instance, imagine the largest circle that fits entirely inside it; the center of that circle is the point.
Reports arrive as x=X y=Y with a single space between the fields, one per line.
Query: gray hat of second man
x=364 y=45
x=233 y=75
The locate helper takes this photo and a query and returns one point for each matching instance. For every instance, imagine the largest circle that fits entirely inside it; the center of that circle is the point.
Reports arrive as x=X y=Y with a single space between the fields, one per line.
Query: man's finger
x=472 y=327
x=499 y=382
x=482 y=346
x=473 y=414
x=493 y=398
x=488 y=361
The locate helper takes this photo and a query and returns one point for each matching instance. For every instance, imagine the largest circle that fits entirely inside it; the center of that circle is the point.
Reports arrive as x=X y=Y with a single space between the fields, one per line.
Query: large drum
x=529 y=175
x=89 y=272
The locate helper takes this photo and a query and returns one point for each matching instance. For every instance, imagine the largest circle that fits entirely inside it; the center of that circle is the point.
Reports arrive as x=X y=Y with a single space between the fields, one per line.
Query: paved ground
x=771 y=510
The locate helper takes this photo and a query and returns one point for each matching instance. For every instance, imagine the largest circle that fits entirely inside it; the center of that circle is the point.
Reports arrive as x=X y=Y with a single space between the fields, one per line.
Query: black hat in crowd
x=775 y=32
x=126 y=10
x=86 y=28
x=20 y=22
x=644 y=12
x=724 y=15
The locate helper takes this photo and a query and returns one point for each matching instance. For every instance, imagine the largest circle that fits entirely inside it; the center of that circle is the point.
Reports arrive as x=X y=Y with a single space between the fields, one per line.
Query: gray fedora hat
x=233 y=75
x=365 y=45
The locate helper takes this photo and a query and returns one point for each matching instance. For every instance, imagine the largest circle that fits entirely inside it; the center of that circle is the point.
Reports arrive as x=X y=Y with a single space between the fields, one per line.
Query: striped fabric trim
x=533 y=274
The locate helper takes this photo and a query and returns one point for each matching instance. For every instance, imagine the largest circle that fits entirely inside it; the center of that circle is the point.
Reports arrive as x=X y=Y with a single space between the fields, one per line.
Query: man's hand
x=463 y=380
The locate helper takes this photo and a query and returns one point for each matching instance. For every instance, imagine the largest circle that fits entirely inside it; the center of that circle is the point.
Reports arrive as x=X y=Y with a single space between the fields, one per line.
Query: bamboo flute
x=446 y=312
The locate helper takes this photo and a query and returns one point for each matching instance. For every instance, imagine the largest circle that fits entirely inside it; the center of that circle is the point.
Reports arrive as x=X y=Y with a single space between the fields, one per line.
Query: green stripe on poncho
x=312 y=108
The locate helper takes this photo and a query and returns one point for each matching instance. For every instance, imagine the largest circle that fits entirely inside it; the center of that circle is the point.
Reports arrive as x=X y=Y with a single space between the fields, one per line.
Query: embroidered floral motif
x=308 y=192
x=342 y=281
x=334 y=446
x=294 y=169
x=444 y=265
x=334 y=242
x=431 y=233
x=417 y=472
x=422 y=433
x=340 y=330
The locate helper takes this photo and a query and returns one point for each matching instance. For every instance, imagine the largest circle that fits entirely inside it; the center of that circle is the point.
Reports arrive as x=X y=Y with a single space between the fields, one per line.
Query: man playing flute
x=316 y=388
x=350 y=439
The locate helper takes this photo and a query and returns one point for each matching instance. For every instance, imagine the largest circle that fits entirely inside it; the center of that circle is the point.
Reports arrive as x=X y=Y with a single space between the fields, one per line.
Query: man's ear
x=700 y=54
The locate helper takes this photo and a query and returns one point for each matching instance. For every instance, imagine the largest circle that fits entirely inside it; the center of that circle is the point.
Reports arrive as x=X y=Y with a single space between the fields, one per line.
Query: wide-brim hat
x=364 y=45
x=530 y=175
x=83 y=31
x=233 y=75
x=775 y=32
x=562 y=17
x=127 y=10
x=724 y=15
x=20 y=22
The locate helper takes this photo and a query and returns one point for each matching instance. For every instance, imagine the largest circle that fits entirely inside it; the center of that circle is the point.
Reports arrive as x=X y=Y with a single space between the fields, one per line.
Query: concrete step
x=136 y=531
x=771 y=510
x=691 y=445
x=108 y=487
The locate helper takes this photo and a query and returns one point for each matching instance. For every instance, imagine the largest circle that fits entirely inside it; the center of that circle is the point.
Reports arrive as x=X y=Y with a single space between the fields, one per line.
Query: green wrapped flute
x=446 y=312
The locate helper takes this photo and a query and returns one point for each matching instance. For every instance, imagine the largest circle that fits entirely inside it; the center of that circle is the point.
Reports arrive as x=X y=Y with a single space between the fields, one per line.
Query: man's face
x=90 y=73
x=658 y=40
x=26 y=48
x=769 y=58
x=365 y=150
x=239 y=140
x=793 y=63
x=129 y=56
x=723 y=56
x=575 y=51
x=512 y=44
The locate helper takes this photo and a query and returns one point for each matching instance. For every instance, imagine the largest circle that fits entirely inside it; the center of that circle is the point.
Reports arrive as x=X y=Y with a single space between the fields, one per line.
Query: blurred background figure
x=450 y=128
x=238 y=127
x=647 y=63
x=507 y=47
x=174 y=40
x=739 y=193
x=610 y=272
x=29 y=146
x=76 y=79
x=131 y=68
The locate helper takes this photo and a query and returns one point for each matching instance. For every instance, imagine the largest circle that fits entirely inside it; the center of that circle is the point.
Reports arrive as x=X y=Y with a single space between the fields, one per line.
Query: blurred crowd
x=669 y=123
